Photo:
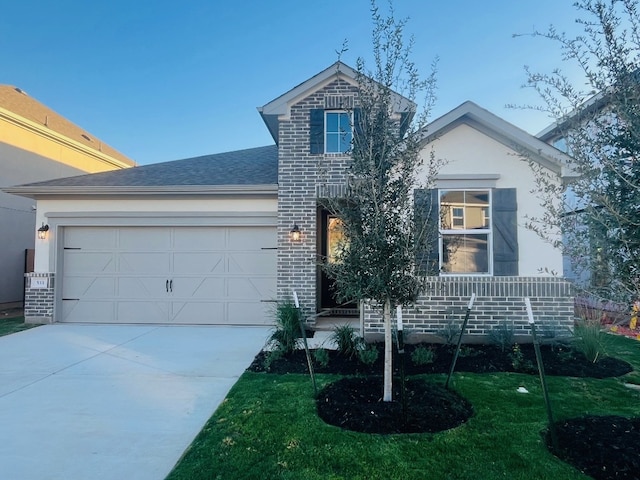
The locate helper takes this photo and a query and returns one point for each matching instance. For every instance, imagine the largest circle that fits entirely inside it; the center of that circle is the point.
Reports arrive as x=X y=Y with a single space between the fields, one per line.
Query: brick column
x=39 y=298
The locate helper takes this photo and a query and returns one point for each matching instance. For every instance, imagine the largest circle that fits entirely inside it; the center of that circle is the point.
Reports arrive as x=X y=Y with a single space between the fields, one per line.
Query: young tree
x=599 y=212
x=377 y=261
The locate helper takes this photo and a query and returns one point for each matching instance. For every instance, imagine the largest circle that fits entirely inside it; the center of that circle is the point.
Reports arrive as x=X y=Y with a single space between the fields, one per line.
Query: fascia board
x=89 y=191
x=53 y=136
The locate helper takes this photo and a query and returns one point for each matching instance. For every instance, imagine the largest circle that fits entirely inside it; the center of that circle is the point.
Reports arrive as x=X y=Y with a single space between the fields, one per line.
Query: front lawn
x=13 y=325
x=268 y=428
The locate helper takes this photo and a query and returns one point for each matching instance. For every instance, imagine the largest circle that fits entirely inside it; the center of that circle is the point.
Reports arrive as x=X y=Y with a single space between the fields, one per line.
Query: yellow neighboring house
x=37 y=144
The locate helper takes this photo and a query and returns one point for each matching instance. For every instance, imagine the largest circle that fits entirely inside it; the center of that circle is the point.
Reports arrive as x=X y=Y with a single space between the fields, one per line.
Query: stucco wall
x=50 y=209
x=469 y=152
x=17 y=216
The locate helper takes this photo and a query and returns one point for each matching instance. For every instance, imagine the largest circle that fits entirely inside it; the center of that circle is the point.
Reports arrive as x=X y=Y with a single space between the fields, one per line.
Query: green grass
x=13 y=325
x=267 y=428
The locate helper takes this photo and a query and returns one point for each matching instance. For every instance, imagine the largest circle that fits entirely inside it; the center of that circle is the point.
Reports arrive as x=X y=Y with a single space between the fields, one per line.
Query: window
x=337 y=132
x=465 y=231
x=477 y=231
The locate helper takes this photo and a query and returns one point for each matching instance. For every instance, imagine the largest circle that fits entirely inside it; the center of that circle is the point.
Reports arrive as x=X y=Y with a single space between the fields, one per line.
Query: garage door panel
x=89 y=287
x=247 y=239
x=94 y=238
x=136 y=311
x=88 y=311
x=78 y=261
x=198 y=288
x=198 y=263
x=191 y=239
x=212 y=313
x=143 y=287
x=252 y=289
x=251 y=263
x=145 y=262
x=256 y=313
x=144 y=239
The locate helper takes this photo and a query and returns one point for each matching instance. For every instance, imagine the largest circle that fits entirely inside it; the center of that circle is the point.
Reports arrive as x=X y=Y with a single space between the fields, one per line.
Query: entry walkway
x=112 y=401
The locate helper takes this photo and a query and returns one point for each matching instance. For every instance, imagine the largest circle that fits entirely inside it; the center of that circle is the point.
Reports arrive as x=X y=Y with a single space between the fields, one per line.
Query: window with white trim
x=337 y=131
x=465 y=232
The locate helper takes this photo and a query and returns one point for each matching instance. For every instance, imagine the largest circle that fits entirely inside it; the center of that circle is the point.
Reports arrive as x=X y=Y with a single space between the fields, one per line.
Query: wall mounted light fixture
x=42 y=231
x=295 y=233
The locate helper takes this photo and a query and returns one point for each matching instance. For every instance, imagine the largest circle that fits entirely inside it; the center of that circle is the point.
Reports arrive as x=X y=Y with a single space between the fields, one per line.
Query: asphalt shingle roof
x=253 y=166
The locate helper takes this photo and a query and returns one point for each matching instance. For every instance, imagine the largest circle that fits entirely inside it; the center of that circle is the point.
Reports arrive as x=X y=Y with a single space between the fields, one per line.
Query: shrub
x=346 y=340
x=449 y=333
x=271 y=357
x=423 y=355
x=518 y=362
x=502 y=335
x=588 y=338
x=368 y=354
x=321 y=356
x=286 y=337
x=555 y=336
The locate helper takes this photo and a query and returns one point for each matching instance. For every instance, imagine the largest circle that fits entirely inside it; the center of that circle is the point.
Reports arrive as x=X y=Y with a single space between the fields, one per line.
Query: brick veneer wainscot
x=498 y=300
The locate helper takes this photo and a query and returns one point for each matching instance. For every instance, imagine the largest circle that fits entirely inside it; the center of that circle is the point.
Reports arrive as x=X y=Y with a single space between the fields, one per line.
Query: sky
x=163 y=80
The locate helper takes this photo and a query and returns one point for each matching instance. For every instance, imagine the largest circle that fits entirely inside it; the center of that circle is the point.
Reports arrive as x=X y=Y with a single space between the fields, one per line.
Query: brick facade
x=300 y=176
x=39 y=298
x=499 y=301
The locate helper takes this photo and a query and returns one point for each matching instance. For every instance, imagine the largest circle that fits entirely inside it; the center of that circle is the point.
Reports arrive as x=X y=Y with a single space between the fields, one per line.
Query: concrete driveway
x=112 y=401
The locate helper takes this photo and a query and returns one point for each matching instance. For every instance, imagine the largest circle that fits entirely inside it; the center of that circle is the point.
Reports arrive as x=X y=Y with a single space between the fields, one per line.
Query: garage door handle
x=171 y=285
x=166 y=286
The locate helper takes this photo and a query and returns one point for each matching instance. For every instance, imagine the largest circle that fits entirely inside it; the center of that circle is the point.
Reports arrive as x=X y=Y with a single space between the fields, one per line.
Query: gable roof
x=16 y=101
x=250 y=171
x=502 y=131
x=280 y=108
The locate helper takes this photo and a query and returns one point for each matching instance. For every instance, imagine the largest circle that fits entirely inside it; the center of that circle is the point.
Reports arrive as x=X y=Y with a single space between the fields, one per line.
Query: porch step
x=328 y=324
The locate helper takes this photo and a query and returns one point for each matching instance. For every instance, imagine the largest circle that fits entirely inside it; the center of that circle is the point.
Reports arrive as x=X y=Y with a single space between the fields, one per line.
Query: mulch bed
x=558 y=360
x=602 y=447
x=355 y=403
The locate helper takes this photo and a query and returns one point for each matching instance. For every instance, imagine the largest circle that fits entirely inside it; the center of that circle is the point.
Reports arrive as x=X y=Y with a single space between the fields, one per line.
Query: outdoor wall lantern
x=295 y=233
x=42 y=231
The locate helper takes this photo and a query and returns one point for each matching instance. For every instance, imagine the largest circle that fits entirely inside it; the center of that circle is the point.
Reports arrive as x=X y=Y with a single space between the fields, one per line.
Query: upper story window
x=337 y=131
x=330 y=131
x=465 y=231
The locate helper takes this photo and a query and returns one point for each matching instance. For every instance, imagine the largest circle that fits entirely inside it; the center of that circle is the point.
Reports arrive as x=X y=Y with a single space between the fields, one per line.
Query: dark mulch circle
x=355 y=403
x=603 y=447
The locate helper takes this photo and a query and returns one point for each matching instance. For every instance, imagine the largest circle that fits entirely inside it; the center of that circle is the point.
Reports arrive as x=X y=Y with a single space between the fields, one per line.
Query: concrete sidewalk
x=112 y=401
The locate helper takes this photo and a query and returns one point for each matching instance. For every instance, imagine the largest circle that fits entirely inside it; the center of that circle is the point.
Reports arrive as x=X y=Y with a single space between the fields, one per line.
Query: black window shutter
x=427 y=226
x=316 y=131
x=505 y=232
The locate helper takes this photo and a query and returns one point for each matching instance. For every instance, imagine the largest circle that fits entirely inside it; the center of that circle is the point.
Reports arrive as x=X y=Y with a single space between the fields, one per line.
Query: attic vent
x=339 y=102
x=85 y=137
x=19 y=90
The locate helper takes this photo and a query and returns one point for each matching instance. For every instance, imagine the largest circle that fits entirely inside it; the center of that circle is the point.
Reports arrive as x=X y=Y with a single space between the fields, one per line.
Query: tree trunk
x=388 y=352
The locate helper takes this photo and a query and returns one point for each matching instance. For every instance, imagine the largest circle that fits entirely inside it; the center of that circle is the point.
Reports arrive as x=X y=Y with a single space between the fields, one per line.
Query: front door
x=330 y=237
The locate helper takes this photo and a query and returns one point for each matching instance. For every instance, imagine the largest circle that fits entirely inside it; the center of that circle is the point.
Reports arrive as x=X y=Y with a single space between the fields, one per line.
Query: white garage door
x=182 y=275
